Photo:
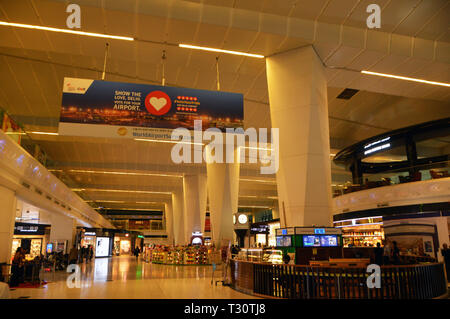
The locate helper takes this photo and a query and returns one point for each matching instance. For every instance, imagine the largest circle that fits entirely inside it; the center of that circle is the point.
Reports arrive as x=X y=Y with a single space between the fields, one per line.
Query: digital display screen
x=284 y=241
x=328 y=241
x=49 y=248
x=319 y=231
x=311 y=241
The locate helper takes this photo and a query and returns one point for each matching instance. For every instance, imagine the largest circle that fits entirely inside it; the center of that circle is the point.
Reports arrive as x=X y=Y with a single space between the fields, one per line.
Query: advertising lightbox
x=116 y=109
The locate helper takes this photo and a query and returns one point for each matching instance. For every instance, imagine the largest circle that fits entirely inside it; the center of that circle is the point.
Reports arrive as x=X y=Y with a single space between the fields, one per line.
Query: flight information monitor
x=328 y=241
x=311 y=241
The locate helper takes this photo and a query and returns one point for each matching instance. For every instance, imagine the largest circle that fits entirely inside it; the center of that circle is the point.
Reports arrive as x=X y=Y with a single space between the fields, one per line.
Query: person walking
x=90 y=252
x=136 y=252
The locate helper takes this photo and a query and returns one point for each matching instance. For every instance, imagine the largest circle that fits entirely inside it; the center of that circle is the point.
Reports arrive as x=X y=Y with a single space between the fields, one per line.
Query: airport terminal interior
x=224 y=149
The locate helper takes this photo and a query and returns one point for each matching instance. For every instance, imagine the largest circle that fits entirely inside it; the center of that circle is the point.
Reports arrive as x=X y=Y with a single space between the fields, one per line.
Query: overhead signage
x=285 y=231
x=116 y=109
x=259 y=229
x=317 y=231
x=90 y=234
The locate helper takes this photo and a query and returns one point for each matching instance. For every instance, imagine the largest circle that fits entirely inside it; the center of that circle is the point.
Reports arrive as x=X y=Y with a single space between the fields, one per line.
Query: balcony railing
x=394 y=177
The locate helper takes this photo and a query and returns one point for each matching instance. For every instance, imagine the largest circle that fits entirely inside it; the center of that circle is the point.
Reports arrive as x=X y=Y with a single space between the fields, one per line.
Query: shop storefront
x=33 y=238
x=101 y=240
x=88 y=239
x=264 y=233
x=126 y=242
x=361 y=232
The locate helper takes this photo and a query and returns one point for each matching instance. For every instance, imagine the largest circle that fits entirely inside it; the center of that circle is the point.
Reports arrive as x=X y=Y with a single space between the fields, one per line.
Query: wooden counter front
x=242 y=276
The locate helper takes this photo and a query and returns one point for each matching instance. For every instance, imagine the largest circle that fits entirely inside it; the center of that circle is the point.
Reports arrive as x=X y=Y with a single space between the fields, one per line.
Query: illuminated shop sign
x=90 y=234
x=319 y=231
x=26 y=229
x=377 y=146
x=259 y=229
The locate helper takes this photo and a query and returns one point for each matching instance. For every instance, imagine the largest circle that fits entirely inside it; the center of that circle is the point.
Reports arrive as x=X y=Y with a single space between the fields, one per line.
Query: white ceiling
x=413 y=41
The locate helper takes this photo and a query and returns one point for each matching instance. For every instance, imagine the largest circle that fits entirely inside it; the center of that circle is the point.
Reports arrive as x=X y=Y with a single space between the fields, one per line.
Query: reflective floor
x=124 y=277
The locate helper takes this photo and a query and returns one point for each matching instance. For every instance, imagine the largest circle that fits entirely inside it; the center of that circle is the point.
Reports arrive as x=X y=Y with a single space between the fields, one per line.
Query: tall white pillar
x=168 y=216
x=194 y=189
x=299 y=108
x=178 y=217
x=63 y=228
x=7 y=220
x=223 y=189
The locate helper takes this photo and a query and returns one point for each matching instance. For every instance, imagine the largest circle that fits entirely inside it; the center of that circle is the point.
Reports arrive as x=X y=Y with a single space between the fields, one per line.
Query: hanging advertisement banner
x=115 y=109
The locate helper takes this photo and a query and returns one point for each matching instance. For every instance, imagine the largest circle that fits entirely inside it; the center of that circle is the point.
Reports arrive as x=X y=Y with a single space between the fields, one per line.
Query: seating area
x=441 y=174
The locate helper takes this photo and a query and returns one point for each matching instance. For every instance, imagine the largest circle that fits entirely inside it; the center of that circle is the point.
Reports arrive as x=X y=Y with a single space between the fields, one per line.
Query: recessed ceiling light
x=405 y=78
x=90 y=34
x=195 y=47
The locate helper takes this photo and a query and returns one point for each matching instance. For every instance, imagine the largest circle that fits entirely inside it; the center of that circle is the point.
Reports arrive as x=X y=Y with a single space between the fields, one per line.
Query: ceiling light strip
x=122 y=173
x=405 y=78
x=258 y=180
x=195 y=47
x=43 y=133
x=90 y=34
x=167 y=141
x=118 y=191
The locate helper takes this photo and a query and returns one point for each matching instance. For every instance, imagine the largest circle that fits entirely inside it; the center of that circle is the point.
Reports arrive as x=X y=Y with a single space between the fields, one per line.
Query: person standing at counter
x=386 y=253
x=286 y=258
x=379 y=253
x=395 y=254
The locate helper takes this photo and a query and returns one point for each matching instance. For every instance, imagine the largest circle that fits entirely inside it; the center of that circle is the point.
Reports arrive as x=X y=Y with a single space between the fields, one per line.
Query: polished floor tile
x=125 y=277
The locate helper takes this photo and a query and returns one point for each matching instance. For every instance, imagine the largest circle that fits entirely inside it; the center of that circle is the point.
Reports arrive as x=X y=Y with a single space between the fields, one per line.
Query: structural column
x=178 y=217
x=443 y=235
x=223 y=189
x=299 y=108
x=63 y=228
x=7 y=220
x=168 y=216
x=194 y=189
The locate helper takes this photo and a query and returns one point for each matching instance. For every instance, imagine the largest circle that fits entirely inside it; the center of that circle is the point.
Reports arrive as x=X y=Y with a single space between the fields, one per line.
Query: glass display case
x=273 y=256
